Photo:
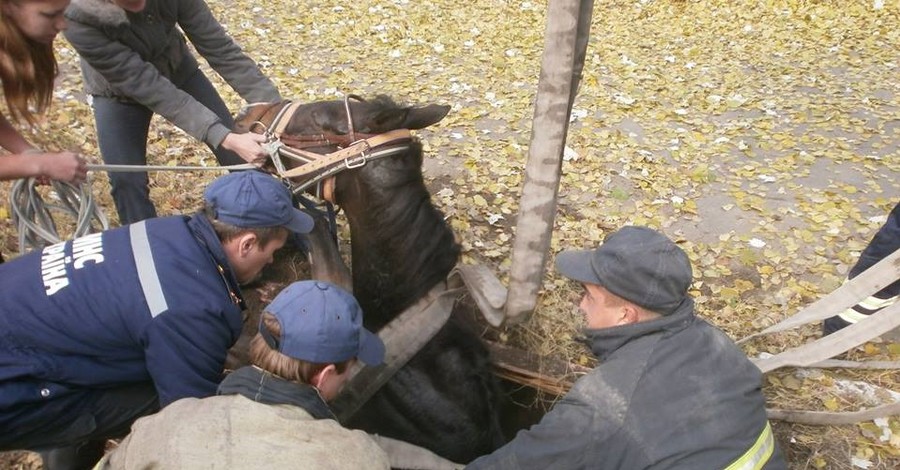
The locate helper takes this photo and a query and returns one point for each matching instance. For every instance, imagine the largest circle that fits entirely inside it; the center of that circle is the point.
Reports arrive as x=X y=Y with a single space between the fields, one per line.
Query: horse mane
x=384 y=102
x=409 y=236
x=445 y=398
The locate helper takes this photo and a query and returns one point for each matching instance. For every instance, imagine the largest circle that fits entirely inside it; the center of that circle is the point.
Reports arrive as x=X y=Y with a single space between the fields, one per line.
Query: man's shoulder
x=171 y=231
x=706 y=338
x=175 y=246
x=610 y=384
x=169 y=221
x=703 y=351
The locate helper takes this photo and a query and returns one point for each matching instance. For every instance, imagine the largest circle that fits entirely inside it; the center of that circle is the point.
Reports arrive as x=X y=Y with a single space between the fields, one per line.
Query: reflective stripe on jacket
x=757 y=456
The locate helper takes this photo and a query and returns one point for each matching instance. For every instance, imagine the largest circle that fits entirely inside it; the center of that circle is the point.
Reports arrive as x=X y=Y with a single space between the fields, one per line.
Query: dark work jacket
x=155 y=300
x=672 y=393
x=263 y=387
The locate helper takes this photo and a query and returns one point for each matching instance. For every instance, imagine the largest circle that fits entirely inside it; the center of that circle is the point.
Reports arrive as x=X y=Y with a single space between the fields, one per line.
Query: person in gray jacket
x=671 y=391
x=135 y=62
x=275 y=413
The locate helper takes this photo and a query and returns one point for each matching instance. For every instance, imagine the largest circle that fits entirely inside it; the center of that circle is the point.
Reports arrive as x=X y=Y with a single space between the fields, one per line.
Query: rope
x=33 y=217
x=145 y=168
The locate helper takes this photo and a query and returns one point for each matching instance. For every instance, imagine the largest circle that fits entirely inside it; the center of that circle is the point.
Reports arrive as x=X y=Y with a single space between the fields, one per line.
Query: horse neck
x=401 y=246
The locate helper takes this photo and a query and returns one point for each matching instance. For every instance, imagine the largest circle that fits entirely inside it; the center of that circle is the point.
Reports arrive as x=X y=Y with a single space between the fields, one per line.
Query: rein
x=353 y=150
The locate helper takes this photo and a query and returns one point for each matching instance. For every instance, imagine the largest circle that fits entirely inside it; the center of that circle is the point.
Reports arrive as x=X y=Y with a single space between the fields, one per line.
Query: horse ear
x=410 y=118
x=422 y=117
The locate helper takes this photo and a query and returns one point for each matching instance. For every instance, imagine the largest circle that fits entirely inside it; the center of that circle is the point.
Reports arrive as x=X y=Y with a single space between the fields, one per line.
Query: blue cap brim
x=300 y=222
x=371 y=348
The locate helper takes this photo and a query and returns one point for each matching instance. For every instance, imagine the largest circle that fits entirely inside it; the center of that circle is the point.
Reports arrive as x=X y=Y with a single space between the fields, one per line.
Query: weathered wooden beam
x=547 y=375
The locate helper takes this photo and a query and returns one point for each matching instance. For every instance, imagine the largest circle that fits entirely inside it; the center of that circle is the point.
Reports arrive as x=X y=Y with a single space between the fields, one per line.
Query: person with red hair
x=27 y=69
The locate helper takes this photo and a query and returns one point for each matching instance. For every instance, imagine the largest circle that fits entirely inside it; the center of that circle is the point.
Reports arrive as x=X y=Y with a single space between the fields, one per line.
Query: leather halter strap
x=318 y=168
x=364 y=150
x=283 y=118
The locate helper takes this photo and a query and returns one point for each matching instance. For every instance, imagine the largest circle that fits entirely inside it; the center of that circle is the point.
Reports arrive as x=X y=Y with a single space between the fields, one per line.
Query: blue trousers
x=70 y=431
x=885 y=242
x=122 y=130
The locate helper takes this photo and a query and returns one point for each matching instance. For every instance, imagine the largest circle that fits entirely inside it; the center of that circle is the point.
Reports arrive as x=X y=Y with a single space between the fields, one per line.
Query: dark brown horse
x=445 y=398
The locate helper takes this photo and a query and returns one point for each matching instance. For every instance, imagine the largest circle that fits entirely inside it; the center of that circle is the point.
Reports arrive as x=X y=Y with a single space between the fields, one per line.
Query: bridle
x=353 y=150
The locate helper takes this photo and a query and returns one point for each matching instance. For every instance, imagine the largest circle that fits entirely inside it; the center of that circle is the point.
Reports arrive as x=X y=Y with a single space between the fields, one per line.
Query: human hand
x=248 y=146
x=62 y=166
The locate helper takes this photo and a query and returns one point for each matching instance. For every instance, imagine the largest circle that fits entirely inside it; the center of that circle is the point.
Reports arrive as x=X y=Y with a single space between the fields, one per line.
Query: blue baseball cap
x=321 y=323
x=253 y=199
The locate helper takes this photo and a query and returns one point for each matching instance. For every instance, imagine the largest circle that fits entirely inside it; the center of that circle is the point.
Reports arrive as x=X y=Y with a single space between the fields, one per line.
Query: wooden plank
x=547 y=375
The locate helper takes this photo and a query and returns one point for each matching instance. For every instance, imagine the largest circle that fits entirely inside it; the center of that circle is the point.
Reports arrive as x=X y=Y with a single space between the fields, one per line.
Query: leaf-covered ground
x=762 y=135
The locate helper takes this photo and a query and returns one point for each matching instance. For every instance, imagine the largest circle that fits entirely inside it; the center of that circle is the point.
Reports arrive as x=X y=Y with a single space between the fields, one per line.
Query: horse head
x=384 y=200
x=445 y=398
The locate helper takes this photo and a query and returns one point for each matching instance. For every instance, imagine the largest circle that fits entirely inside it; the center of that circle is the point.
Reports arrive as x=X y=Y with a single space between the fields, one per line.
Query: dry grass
x=20 y=461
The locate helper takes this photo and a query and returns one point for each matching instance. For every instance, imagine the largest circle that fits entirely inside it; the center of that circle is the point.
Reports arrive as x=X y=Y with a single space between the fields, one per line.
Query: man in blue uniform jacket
x=98 y=331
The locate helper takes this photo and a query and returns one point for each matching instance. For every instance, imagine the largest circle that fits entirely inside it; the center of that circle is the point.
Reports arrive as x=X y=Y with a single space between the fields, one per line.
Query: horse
x=445 y=398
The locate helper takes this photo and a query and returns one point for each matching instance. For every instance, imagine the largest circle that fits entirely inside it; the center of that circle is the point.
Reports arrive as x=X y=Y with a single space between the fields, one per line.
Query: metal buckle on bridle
x=361 y=159
x=272 y=147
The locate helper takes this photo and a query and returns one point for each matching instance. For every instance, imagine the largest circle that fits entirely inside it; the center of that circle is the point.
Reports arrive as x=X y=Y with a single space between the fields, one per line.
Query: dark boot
x=78 y=457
